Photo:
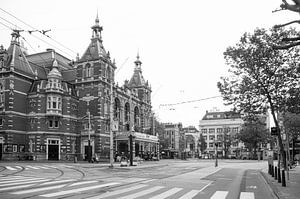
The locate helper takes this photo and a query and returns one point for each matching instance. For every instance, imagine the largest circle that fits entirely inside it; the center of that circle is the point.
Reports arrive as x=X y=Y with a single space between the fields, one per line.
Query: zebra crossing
x=49 y=188
x=35 y=167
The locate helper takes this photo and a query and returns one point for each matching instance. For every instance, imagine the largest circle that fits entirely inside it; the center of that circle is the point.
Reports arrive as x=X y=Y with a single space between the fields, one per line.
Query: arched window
x=127 y=112
x=117 y=109
x=136 y=116
x=1 y=93
x=88 y=70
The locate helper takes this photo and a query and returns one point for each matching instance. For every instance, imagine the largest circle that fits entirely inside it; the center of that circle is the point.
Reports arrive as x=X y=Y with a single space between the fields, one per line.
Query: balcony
x=54 y=89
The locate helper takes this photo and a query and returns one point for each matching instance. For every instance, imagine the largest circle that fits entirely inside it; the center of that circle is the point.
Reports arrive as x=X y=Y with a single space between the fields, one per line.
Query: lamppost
x=216 y=153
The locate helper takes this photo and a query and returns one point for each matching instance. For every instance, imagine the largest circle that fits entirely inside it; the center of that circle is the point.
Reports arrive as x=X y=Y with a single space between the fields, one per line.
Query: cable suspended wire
x=10 y=22
x=6 y=26
x=41 y=33
x=191 y=101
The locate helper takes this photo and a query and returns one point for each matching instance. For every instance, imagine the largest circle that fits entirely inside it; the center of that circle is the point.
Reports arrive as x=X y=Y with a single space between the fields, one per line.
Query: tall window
x=1 y=93
x=54 y=102
x=88 y=70
x=53 y=123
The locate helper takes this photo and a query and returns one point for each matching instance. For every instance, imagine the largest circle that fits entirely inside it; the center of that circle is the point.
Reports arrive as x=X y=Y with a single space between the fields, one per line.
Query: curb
x=273 y=189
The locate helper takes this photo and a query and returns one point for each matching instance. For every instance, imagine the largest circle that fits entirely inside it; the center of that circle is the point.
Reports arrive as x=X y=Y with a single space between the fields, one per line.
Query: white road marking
x=142 y=193
x=117 y=192
x=190 y=194
x=166 y=193
x=83 y=182
x=247 y=195
x=19 y=167
x=16 y=187
x=26 y=182
x=60 y=193
x=148 y=181
x=219 y=195
x=10 y=168
x=41 y=167
x=31 y=167
x=38 y=189
x=19 y=180
x=58 y=181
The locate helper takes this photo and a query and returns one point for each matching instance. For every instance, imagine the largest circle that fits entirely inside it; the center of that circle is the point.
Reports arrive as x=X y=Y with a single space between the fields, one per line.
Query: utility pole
x=89 y=138
x=216 y=153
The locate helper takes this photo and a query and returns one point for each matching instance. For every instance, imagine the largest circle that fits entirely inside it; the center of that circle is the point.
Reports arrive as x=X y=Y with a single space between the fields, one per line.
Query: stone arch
x=136 y=119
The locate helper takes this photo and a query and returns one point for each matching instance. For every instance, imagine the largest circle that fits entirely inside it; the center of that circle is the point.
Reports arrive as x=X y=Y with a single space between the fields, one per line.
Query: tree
x=202 y=144
x=288 y=42
x=253 y=133
x=261 y=77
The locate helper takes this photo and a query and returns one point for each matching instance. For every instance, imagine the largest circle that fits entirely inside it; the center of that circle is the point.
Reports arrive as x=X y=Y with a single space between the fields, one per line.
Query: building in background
x=53 y=108
x=170 y=140
x=192 y=136
x=219 y=130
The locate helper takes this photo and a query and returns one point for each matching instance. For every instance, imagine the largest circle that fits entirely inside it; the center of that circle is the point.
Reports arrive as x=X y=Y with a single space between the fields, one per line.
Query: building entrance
x=53 y=149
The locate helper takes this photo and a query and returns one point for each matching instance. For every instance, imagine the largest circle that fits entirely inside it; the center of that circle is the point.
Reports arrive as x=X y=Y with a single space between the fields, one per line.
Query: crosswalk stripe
x=219 y=195
x=16 y=187
x=11 y=177
x=83 y=182
x=31 y=167
x=38 y=189
x=58 y=181
x=41 y=167
x=19 y=180
x=167 y=193
x=190 y=194
x=247 y=195
x=27 y=182
x=19 y=167
x=10 y=168
x=60 y=193
x=50 y=166
x=142 y=193
x=117 y=192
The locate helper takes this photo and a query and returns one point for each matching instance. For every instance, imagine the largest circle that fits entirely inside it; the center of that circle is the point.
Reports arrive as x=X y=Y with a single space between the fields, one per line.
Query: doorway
x=52 y=152
x=53 y=149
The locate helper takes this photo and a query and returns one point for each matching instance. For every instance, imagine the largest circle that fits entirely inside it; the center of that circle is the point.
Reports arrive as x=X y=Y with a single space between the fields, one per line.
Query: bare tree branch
x=286 y=24
x=285 y=47
x=292 y=7
x=291 y=39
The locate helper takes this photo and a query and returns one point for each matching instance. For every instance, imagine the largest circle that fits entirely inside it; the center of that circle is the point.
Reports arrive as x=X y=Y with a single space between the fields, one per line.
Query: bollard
x=270 y=169
x=275 y=173
x=283 y=178
x=272 y=173
x=279 y=175
x=75 y=159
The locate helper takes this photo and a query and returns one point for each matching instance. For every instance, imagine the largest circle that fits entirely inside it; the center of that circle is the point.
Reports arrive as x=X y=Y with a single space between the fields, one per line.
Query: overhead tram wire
x=42 y=34
x=190 y=101
x=22 y=38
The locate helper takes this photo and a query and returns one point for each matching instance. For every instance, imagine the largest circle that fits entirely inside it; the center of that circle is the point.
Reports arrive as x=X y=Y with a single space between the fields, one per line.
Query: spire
x=97 y=28
x=138 y=63
x=15 y=35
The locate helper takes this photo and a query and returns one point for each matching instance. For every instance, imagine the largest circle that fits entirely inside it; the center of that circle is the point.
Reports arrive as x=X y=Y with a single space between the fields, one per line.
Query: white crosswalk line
x=10 y=168
x=19 y=180
x=142 y=193
x=247 y=195
x=58 y=181
x=60 y=193
x=117 y=192
x=83 y=182
x=18 y=183
x=19 y=167
x=11 y=177
x=190 y=194
x=41 y=167
x=219 y=195
x=166 y=193
x=16 y=187
x=38 y=189
x=31 y=167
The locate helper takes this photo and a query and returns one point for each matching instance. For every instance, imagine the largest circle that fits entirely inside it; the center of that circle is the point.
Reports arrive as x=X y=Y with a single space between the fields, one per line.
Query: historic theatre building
x=51 y=108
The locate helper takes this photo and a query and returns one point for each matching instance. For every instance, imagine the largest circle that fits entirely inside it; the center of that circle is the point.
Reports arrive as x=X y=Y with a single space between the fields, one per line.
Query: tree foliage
x=261 y=78
x=253 y=133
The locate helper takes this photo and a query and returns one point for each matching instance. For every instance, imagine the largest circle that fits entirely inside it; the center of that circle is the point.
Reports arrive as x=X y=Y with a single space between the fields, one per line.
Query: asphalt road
x=232 y=179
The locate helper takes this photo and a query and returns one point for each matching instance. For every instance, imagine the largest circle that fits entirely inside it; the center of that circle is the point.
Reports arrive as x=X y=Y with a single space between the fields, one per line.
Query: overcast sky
x=180 y=42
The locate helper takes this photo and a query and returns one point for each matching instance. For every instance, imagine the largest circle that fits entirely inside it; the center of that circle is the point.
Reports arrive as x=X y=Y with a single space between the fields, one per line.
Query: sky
x=180 y=42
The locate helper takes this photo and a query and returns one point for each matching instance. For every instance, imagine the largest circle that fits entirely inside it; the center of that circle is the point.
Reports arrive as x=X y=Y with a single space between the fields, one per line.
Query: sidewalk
x=292 y=189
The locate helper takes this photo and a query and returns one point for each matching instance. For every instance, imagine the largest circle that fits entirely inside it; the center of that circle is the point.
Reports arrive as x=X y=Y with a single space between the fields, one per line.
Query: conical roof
x=137 y=79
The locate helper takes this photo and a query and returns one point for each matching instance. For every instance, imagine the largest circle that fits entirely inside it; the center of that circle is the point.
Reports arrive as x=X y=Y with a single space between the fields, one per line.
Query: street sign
x=274 y=131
